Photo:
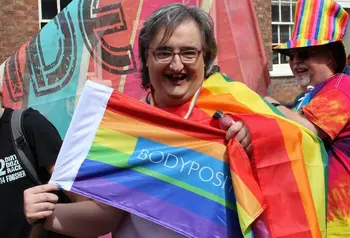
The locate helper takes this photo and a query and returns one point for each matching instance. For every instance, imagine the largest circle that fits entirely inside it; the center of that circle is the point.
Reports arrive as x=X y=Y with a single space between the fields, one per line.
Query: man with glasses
x=166 y=55
x=177 y=50
x=317 y=59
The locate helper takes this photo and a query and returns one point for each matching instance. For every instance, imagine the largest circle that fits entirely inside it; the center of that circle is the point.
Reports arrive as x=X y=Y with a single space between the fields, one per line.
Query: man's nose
x=176 y=65
x=295 y=58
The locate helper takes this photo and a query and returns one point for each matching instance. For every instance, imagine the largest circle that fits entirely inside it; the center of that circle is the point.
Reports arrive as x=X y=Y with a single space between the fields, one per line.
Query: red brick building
x=18 y=22
x=21 y=19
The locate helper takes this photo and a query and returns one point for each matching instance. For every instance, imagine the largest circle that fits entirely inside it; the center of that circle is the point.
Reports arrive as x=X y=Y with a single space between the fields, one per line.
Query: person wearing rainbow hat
x=317 y=58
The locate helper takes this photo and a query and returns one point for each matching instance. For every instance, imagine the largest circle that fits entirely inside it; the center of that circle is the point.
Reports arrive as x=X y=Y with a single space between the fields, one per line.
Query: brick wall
x=18 y=22
x=284 y=89
x=263 y=13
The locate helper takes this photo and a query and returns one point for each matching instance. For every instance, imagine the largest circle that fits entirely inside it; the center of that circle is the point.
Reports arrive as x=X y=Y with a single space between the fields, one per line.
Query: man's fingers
x=249 y=149
x=39 y=202
x=46 y=206
x=41 y=189
x=31 y=218
x=45 y=197
x=246 y=141
x=233 y=130
x=38 y=211
x=41 y=207
x=241 y=135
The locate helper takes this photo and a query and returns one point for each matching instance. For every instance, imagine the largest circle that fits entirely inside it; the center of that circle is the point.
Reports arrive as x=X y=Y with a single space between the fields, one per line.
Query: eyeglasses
x=188 y=56
x=302 y=55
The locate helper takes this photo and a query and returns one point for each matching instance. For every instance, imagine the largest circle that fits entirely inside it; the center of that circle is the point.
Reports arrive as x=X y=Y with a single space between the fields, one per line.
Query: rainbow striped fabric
x=181 y=174
x=317 y=22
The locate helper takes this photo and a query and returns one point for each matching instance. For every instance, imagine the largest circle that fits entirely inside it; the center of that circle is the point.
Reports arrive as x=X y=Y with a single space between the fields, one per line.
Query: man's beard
x=303 y=81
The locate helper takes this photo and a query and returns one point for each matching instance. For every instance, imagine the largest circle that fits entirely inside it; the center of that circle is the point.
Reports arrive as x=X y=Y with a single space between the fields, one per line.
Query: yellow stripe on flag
x=315 y=173
x=107 y=137
x=248 y=206
x=217 y=85
x=297 y=162
x=136 y=128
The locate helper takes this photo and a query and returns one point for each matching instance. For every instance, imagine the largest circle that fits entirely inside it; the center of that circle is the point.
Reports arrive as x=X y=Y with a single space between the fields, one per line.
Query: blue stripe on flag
x=185 y=165
x=159 y=189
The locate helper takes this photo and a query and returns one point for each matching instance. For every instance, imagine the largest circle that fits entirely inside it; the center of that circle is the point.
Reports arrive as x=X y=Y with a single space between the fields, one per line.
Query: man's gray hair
x=170 y=16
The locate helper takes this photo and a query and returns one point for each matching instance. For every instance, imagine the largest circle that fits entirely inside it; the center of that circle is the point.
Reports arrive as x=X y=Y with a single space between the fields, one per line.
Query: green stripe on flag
x=109 y=156
x=115 y=158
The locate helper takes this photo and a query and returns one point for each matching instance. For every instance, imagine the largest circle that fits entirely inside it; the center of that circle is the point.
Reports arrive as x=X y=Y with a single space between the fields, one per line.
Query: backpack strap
x=20 y=144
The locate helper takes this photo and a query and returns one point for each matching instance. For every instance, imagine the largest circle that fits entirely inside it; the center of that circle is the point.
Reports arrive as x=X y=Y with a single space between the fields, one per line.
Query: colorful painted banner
x=185 y=176
x=97 y=40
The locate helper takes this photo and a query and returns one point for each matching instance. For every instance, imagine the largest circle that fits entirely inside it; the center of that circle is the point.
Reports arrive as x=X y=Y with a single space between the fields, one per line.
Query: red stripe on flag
x=241 y=166
x=140 y=111
x=276 y=177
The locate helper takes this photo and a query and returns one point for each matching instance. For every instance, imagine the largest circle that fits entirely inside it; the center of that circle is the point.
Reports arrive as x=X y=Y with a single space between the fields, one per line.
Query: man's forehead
x=309 y=48
x=297 y=50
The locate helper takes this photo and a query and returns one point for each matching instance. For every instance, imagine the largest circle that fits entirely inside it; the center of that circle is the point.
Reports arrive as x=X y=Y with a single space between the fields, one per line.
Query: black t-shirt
x=45 y=143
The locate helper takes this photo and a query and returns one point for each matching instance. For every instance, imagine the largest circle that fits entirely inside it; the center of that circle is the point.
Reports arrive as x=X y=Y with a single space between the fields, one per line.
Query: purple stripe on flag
x=151 y=208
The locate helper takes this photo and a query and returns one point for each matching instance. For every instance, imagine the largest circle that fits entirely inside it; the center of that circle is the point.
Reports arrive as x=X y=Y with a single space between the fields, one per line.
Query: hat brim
x=300 y=43
x=337 y=48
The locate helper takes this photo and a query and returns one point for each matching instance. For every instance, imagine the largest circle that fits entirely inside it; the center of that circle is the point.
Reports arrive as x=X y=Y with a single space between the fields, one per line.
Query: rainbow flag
x=124 y=153
x=97 y=41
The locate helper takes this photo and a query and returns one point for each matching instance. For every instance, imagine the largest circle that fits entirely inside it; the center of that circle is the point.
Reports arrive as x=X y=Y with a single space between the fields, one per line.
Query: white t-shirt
x=137 y=227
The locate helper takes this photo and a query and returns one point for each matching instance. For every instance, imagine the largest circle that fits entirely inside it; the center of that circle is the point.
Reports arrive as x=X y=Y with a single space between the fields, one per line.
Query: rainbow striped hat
x=317 y=22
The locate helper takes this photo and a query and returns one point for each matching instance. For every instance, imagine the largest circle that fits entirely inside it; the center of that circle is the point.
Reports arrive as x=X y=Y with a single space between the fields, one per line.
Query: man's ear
x=332 y=63
x=330 y=60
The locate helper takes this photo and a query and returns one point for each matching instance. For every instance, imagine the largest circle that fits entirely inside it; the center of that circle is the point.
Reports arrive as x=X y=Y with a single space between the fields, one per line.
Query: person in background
x=44 y=142
x=317 y=59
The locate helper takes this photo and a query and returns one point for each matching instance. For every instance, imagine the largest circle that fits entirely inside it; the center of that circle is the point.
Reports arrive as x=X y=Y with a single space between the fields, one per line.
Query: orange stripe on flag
x=151 y=115
x=276 y=175
x=299 y=169
x=247 y=190
x=136 y=128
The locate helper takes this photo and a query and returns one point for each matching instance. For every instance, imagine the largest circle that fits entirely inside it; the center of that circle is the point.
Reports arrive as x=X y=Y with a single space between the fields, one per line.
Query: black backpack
x=25 y=156
x=21 y=146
